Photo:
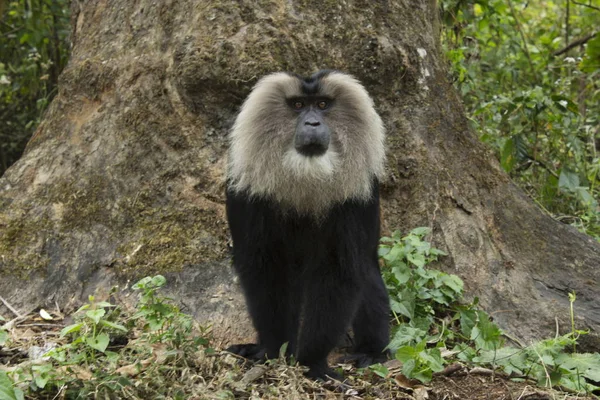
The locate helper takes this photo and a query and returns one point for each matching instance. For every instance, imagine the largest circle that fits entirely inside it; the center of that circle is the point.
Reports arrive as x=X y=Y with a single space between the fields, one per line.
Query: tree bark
x=124 y=177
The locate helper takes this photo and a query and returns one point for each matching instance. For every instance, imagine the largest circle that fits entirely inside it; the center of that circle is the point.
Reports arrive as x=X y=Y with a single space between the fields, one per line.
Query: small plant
x=161 y=319
x=3 y=332
x=7 y=390
x=429 y=319
x=112 y=352
x=417 y=294
x=92 y=332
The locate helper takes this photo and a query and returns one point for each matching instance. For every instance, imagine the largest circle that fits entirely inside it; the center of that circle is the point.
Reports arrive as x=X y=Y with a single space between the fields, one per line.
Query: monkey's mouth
x=312 y=149
x=312 y=141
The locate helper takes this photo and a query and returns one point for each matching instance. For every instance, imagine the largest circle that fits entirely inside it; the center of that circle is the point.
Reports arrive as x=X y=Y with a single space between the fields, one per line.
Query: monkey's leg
x=266 y=296
x=330 y=302
x=371 y=322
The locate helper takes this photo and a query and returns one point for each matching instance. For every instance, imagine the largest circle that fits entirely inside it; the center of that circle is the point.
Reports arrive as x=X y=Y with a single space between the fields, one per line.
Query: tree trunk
x=124 y=177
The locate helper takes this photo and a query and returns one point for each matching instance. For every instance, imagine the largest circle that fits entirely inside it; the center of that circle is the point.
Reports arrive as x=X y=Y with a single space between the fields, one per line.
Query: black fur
x=311 y=85
x=306 y=281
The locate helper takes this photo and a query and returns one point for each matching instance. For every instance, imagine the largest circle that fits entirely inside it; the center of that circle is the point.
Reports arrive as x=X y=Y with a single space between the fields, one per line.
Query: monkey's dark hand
x=250 y=351
x=323 y=374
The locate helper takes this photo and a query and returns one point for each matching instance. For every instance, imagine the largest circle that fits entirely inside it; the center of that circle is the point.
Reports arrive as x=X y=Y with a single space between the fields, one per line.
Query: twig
x=11 y=308
x=43 y=325
x=481 y=371
x=567 y=17
x=514 y=14
x=18 y=28
x=575 y=43
x=449 y=370
x=548 y=379
x=586 y=5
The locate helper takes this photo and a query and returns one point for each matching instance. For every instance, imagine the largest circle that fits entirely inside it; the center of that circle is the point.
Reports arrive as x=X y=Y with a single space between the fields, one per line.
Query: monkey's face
x=307 y=141
x=312 y=135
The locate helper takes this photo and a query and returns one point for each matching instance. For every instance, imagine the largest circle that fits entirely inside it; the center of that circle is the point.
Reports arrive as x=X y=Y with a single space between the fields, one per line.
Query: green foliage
x=34 y=48
x=420 y=362
x=107 y=347
x=408 y=280
x=162 y=320
x=3 y=333
x=7 y=389
x=430 y=320
x=546 y=362
x=91 y=333
x=538 y=109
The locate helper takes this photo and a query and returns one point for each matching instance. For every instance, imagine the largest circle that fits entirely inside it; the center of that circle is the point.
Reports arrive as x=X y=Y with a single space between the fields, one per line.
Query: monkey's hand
x=320 y=373
x=250 y=351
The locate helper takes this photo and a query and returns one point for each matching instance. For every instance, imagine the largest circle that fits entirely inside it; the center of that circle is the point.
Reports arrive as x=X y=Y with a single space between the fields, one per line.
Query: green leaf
x=3 y=337
x=394 y=254
x=104 y=304
x=113 y=325
x=568 y=180
x=41 y=374
x=158 y=281
x=83 y=307
x=7 y=390
x=96 y=315
x=437 y=252
x=468 y=319
x=591 y=61
x=433 y=358
x=406 y=335
x=508 y=156
x=25 y=38
x=283 y=350
x=99 y=342
x=406 y=353
x=382 y=251
x=421 y=231
x=70 y=329
x=404 y=303
x=564 y=103
x=416 y=259
x=380 y=370
x=486 y=334
x=453 y=282
x=586 y=197
x=142 y=283
x=588 y=364
x=401 y=273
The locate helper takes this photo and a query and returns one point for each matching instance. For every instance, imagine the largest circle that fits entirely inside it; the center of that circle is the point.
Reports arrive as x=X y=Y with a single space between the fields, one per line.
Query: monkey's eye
x=322 y=105
x=298 y=105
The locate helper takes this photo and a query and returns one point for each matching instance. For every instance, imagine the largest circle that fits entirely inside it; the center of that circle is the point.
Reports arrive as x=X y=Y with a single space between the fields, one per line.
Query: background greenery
x=533 y=98
x=529 y=93
x=34 y=48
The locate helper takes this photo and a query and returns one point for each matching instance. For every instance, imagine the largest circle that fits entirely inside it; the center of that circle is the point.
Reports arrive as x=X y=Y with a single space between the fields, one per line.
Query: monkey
x=306 y=155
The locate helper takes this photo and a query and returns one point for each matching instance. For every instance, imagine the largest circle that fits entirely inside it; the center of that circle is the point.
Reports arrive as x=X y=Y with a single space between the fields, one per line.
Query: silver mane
x=264 y=163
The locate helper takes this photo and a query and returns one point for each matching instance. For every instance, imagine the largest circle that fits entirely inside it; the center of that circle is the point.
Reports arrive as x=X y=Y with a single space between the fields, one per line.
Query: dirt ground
x=223 y=376
x=477 y=387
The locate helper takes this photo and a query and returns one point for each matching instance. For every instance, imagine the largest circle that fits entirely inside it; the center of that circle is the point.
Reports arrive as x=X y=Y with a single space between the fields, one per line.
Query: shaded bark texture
x=124 y=177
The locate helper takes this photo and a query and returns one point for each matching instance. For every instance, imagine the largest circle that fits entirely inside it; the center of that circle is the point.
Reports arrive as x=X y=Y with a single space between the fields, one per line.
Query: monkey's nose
x=312 y=140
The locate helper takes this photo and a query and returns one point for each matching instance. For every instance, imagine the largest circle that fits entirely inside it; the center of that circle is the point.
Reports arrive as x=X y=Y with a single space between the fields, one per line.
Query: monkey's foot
x=323 y=374
x=250 y=351
x=363 y=360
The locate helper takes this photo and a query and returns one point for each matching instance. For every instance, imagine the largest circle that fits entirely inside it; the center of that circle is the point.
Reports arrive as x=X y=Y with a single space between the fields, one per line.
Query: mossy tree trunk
x=124 y=177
